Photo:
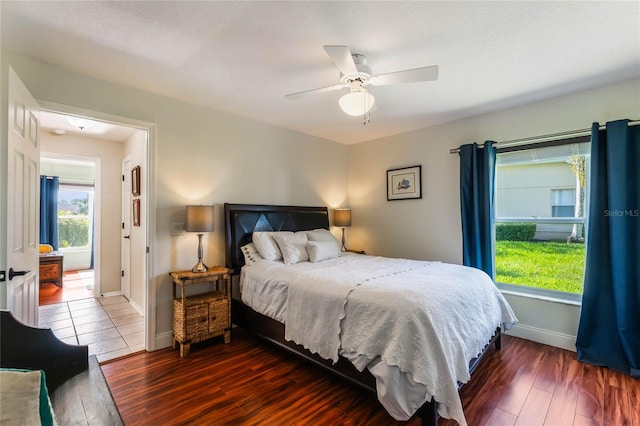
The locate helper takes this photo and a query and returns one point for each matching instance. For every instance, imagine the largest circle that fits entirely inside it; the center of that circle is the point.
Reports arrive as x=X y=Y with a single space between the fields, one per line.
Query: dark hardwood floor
x=252 y=382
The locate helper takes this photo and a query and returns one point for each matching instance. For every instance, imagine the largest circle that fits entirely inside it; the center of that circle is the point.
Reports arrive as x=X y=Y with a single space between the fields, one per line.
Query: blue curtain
x=49 y=210
x=477 y=182
x=609 y=328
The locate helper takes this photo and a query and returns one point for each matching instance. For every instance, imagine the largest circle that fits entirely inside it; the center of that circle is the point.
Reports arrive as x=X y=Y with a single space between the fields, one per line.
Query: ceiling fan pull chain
x=366 y=117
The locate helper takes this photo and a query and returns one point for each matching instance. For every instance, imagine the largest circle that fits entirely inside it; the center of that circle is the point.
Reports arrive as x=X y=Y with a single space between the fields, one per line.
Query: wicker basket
x=206 y=315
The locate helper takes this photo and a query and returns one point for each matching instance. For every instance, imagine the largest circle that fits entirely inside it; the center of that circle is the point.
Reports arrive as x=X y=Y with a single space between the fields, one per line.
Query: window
x=563 y=202
x=75 y=216
x=541 y=192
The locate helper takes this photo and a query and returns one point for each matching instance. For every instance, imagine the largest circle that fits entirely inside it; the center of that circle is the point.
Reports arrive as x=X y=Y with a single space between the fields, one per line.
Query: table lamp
x=200 y=220
x=342 y=219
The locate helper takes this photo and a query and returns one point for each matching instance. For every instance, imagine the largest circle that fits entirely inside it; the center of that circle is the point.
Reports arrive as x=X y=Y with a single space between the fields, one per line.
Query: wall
x=525 y=190
x=110 y=155
x=201 y=156
x=429 y=228
x=135 y=148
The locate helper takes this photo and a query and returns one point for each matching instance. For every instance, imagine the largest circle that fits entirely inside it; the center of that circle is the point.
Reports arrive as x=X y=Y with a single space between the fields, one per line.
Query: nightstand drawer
x=197 y=320
x=218 y=316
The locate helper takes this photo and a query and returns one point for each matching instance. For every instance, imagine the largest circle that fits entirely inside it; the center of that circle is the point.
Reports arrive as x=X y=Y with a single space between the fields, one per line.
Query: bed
x=350 y=287
x=46 y=381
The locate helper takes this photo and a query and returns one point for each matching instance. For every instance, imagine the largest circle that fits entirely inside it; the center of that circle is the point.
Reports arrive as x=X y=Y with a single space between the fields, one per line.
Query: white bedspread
x=415 y=325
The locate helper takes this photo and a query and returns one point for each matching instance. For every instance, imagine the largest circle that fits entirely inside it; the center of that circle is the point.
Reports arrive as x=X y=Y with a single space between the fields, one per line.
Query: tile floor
x=110 y=326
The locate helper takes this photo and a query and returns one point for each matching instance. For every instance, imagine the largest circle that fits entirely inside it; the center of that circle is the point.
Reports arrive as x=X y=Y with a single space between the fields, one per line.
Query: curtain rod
x=542 y=138
x=77 y=183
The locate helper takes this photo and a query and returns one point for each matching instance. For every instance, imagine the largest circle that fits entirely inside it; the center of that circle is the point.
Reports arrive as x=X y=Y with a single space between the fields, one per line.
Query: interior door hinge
x=147 y=249
x=122 y=274
x=3 y=276
x=122 y=225
x=123 y=178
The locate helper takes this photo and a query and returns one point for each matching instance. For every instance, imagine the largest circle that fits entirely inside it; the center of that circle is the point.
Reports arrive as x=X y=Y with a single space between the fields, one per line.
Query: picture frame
x=135 y=180
x=404 y=183
x=136 y=212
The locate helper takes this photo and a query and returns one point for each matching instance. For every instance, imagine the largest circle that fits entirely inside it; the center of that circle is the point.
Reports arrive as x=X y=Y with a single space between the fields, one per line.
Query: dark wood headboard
x=241 y=220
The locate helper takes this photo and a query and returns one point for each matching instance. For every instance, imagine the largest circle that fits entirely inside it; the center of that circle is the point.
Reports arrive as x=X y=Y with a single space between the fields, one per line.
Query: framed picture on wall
x=404 y=183
x=135 y=180
x=136 y=212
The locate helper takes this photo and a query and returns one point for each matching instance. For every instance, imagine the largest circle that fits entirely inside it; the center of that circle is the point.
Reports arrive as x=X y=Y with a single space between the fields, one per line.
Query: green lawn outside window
x=547 y=265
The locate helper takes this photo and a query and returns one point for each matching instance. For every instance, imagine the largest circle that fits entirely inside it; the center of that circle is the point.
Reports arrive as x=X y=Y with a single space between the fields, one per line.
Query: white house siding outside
x=530 y=191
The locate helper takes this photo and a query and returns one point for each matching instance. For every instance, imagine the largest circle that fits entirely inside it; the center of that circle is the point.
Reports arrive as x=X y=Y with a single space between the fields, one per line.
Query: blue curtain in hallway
x=477 y=181
x=609 y=328
x=49 y=186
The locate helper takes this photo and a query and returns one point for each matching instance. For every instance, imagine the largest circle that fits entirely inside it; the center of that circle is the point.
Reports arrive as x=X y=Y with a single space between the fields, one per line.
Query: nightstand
x=51 y=268
x=201 y=316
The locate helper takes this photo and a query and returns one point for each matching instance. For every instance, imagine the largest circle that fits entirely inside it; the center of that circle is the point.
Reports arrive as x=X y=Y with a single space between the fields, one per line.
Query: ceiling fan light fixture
x=81 y=123
x=357 y=103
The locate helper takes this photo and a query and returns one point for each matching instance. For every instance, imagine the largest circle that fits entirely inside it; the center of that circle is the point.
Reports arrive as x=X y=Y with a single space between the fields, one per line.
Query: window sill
x=74 y=249
x=546 y=295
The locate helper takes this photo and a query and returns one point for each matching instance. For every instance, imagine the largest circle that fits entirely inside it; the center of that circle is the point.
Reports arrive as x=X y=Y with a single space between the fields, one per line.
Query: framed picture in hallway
x=135 y=180
x=136 y=212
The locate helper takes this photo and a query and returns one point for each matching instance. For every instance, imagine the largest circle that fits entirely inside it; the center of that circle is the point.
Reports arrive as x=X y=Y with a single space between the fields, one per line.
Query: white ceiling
x=243 y=57
x=54 y=123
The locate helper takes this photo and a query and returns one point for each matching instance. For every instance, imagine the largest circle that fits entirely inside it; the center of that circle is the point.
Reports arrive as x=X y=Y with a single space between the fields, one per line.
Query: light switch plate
x=177 y=228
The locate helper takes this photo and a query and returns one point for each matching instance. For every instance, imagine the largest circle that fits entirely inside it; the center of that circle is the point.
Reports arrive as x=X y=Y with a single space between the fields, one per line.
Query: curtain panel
x=609 y=328
x=49 y=186
x=477 y=189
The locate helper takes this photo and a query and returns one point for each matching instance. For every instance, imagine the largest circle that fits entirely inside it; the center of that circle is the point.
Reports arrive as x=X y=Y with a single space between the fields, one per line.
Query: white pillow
x=266 y=245
x=322 y=250
x=322 y=235
x=293 y=247
x=250 y=253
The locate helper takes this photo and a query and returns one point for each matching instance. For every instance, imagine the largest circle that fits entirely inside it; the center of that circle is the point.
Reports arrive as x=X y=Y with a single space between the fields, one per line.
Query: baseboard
x=137 y=307
x=111 y=293
x=546 y=337
x=164 y=340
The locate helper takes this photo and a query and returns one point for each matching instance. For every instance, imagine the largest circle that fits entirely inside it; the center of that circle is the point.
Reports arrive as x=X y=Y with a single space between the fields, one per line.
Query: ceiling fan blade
x=297 y=95
x=341 y=56
x=407 y=76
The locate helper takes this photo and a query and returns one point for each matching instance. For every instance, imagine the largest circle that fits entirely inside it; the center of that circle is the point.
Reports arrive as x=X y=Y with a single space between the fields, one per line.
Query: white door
x=23 y=209
x=125 y=283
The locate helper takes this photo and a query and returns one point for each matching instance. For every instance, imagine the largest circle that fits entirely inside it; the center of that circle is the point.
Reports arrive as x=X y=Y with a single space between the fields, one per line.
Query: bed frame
x=77 y=389
x=241 y=220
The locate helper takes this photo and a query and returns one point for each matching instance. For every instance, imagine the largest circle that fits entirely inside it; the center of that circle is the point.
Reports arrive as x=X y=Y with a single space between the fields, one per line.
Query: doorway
x=119 y=324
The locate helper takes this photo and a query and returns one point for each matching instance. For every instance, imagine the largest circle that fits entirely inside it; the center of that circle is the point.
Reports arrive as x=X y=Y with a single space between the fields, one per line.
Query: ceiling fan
x=356 y=75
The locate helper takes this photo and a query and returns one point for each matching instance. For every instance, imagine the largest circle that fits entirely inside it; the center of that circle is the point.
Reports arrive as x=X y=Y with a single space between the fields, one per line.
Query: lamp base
x=200 y=267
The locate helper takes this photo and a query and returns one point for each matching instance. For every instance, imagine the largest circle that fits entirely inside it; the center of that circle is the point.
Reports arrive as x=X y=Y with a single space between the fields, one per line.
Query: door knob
x=13 y=273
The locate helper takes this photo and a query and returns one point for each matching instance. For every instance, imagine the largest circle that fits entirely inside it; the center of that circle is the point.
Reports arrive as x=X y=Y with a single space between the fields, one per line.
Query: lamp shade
x=199 y=219
x=357 y=103
x=342 y=218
